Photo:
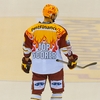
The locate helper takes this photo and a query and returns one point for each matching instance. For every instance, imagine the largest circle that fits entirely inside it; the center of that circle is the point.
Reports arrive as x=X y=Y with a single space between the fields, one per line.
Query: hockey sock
x=57 y=96
x=35 y=97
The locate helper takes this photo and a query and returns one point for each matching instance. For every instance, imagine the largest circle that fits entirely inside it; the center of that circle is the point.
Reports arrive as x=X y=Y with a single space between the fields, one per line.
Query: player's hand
x=26 y=64
x=72 y=61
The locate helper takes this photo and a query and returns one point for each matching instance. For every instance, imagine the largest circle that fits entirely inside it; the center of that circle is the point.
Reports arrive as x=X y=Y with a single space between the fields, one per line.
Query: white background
x=68 y=8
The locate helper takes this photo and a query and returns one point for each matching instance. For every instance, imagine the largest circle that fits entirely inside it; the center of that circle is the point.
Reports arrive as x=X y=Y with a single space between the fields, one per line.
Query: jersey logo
x=56 y=84
x=38 y=85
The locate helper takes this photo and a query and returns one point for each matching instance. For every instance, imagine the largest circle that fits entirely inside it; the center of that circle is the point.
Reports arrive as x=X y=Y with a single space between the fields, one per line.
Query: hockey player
x=44 y=41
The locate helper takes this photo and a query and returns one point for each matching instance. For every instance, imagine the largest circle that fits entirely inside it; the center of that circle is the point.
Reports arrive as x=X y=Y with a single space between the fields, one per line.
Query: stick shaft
x=94 y=63
x=62 y=61
x=67 y=63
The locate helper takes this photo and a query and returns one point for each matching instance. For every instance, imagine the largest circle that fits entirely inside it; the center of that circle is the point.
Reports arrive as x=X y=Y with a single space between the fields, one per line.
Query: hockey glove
x=72 y=61
x=26 y=65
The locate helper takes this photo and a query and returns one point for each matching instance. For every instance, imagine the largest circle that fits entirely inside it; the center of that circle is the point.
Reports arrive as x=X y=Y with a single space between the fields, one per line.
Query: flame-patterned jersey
x=44 y=41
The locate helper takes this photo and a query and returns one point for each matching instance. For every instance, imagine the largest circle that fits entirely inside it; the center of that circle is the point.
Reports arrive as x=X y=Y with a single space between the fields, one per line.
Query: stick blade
x=94 y=63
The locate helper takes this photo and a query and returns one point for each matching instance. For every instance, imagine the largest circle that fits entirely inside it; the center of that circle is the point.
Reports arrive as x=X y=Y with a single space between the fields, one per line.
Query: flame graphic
x=46 y=36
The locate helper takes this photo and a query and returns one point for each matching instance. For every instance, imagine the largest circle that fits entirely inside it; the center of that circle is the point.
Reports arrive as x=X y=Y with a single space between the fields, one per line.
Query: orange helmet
x=49 y=9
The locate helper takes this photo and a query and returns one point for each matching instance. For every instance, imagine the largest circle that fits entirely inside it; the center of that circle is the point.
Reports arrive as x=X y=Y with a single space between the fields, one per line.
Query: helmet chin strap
x=53 y=20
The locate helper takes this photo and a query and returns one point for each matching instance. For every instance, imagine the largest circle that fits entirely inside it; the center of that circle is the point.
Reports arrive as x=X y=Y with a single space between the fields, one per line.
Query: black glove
x=26 y=65
x=72 y=61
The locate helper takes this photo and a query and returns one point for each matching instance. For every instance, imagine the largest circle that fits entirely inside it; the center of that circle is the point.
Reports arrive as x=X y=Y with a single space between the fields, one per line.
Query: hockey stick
x=94 y=63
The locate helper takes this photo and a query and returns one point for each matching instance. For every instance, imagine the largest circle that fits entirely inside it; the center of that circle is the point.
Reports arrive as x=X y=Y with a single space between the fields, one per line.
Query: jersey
x=44 y=42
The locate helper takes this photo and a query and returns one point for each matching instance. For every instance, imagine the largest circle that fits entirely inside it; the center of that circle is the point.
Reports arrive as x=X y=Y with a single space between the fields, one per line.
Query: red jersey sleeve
x=64 y=44
x=27 y=45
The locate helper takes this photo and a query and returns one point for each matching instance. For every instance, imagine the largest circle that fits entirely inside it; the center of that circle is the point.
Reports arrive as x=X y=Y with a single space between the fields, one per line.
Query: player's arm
x=27 y=49
x=66 y=48
x=27 y=45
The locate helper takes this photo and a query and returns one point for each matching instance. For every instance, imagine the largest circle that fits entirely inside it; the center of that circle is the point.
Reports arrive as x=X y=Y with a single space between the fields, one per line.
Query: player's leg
x=38 y=85
x=57 y=85
x=56 y=96
x=35 y=99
